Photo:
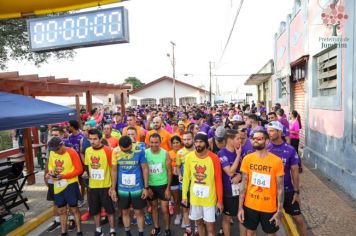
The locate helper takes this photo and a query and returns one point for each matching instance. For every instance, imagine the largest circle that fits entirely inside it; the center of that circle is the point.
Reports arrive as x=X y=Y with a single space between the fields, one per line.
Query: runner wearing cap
x=291 y=178
x=180 y=160
x=97 y=169
x=262 y=188
x=272 y=116
x=218 y=141
x=217 y=121
x=201 y=121
x=159 y=181
x=64 y=167
x=202 y=175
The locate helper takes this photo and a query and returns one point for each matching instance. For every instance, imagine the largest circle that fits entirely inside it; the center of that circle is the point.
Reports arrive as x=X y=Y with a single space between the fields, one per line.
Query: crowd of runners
x=188 y=163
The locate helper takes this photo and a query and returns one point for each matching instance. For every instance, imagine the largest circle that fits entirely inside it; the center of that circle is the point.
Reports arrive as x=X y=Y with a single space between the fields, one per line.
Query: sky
x=199 y=28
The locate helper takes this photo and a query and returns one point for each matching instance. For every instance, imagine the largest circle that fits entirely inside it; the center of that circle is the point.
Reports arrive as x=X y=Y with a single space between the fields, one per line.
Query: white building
x=160 y=91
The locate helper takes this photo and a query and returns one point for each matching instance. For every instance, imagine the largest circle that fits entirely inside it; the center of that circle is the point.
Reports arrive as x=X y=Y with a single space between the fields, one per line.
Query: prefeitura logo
x=334 y=17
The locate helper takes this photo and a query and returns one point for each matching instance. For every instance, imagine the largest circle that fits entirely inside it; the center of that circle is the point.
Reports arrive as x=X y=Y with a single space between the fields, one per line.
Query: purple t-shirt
x=119 y=126
x=227 y=158
x=289 y=157
x=284 y=122
x=204 y=128
x=245 y=149
x=211 y=132
x=75 y=141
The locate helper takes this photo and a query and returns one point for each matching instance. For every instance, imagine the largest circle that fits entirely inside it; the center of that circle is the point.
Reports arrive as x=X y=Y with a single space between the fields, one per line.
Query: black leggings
x=295 y=143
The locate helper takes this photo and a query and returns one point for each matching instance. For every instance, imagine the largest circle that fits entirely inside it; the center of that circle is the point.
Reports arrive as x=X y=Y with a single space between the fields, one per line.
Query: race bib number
x=235 y=189
x=61 y=183
x=201 y=191
x=97 y=174
x=156 y=168
x=261 y=180
x=128 y=179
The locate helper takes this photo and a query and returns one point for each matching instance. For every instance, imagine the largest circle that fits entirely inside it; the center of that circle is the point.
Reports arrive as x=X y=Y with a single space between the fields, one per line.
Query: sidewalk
x=36 y=195
x=327 y=209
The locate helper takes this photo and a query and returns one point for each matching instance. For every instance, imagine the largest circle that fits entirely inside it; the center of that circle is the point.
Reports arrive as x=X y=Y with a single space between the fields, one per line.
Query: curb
x=289 y=225
x=33 y=223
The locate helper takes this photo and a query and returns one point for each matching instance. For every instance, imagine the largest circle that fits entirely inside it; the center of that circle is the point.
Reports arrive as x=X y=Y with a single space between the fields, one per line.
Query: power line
x=231 y=31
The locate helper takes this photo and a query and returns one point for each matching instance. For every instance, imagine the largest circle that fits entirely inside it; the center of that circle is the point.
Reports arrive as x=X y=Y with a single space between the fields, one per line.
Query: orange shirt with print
x=261 y=192
x=165 y=138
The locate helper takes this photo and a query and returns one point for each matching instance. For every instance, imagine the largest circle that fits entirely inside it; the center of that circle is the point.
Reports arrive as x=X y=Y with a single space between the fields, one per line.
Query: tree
x=14 y=45
x=334 y=16
x=136 y=83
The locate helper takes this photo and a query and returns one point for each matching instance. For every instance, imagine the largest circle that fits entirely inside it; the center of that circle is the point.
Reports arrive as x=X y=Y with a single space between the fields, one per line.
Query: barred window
x=166 y=101
x=133 y=102
x=187 y=100
x=148 y=101
x=327 y=73
x=282 y=87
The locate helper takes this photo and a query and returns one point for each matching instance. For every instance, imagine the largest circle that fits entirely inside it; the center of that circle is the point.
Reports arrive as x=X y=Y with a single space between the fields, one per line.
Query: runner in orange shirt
x=262 y=188
x=113 y=141
x=176 y=142
x=131 y=122
x=165 y=135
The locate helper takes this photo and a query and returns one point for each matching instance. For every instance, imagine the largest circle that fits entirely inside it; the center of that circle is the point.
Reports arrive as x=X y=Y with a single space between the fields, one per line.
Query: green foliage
x=5 y=140
x=14 y=45
x=136 y=83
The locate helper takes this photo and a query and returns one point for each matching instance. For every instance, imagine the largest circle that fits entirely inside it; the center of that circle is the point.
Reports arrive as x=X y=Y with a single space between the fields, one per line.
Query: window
x=133 y=102
x=166 y=101
x=148 y=101
x=282 y=88
x=187 y=100
x=327 y=73
x=298 y=72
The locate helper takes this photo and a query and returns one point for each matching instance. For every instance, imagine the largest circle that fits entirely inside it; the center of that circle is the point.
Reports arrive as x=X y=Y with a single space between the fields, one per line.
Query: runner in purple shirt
x=230 y=158
x=290 y=159
x=118 y=123
x=246 y=145
x=75 y=136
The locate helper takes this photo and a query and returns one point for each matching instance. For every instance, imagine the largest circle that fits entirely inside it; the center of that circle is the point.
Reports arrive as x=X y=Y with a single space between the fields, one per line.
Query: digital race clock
x=101 y=27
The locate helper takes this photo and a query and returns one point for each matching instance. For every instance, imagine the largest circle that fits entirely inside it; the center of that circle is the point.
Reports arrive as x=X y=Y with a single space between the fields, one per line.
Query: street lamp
x=173 y=62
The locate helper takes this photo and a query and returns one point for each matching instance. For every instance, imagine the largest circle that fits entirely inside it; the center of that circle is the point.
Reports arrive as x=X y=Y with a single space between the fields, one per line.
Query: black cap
x=202 y=136
x=54 y=144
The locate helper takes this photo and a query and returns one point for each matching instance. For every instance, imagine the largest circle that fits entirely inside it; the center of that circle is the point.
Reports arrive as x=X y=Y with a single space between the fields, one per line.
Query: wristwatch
x=296 y=191
x=147 y=188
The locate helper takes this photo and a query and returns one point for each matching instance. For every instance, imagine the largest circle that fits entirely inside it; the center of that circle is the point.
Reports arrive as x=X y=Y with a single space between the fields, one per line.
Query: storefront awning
x=22 y=8
x=256 y=79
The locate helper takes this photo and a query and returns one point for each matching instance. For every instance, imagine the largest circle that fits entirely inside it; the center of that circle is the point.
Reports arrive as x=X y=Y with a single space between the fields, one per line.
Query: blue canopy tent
x=19 y=111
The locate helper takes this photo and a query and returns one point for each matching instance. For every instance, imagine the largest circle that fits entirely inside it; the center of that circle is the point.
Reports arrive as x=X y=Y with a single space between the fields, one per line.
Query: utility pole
x=174 y=73
x=210 y=84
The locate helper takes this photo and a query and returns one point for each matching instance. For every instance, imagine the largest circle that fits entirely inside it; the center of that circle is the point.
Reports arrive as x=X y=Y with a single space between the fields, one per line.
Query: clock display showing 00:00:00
x=80 y=28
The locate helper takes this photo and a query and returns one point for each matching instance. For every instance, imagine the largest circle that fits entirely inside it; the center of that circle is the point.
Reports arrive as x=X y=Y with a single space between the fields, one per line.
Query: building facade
x=160 y=91
x=315 y=68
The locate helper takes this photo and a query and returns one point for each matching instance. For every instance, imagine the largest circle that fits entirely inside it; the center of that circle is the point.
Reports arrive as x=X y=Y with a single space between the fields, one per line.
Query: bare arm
x=144 y=167
x=169 y=171
x=243 y=188
x=280 y=193
x=113 y=177
x=295 y=176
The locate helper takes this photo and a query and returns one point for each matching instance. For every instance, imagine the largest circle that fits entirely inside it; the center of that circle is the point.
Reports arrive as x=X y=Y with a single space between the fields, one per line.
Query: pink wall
x=282 y=51
x=329 y=122
x=296 y=40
